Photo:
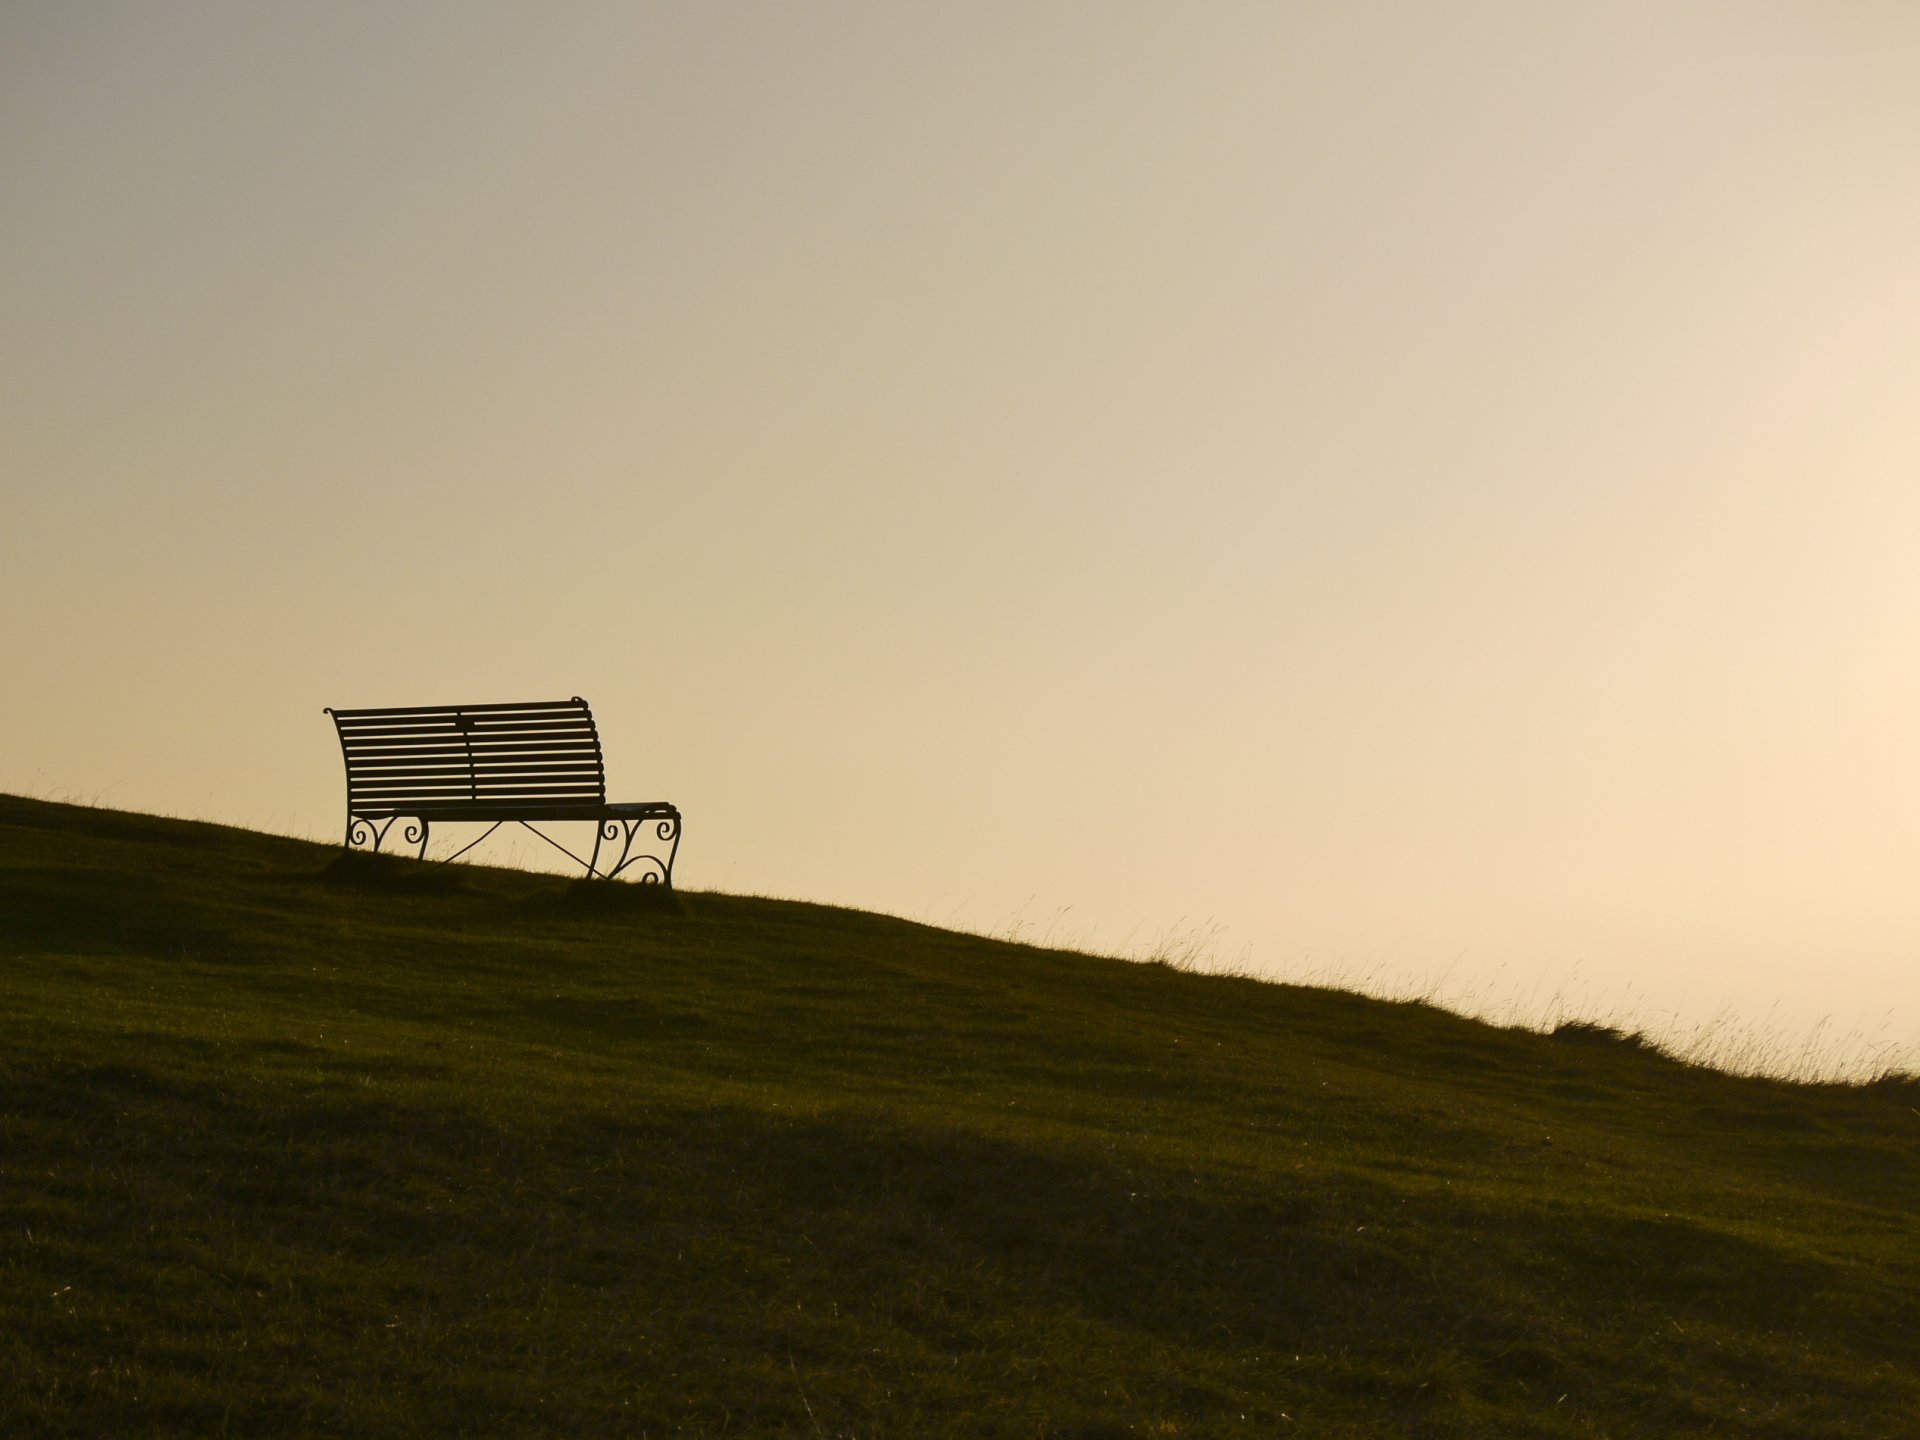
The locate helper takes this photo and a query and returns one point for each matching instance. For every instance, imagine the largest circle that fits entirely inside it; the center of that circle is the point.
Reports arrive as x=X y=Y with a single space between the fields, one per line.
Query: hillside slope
x=289 y=1148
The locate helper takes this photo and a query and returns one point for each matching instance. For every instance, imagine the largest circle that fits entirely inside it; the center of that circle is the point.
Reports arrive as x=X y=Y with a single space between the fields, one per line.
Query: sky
x=1421 y=494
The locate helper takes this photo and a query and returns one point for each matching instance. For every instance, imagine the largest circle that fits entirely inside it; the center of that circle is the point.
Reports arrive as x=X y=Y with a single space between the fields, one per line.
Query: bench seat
x=479 y=810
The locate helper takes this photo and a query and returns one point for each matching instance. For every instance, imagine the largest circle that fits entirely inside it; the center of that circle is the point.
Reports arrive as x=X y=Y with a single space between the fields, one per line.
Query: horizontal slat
x=500 y=757
x=467 y=792
x=442 y=797
x=378 y=749
x=464 y=763
x=419 y=783
x=486 y=765
x=447 y=805
x=415 y=784
x=428 y=724
x=575 y=704
x=566 y=725
x=434 y=717
x=496 y=707
x=513 y=793
x=573 y=786
x=392 y=764
x=507 y=810
x=530 y=726
x=446 y=753
x=485 y=810
x=471 y=740
x=478 y=755
x=496 y=738
x=540 y=767
x=406 y=734
x=464 y=740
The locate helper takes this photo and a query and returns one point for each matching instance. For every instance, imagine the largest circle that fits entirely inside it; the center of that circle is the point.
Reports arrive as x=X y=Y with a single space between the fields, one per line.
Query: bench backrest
x=543 y=752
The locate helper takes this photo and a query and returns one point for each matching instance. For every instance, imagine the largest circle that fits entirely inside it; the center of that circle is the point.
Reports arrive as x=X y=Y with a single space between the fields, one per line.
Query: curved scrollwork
x=371 y=834
x=652 y=865
x=365 y=833
x=654 y=869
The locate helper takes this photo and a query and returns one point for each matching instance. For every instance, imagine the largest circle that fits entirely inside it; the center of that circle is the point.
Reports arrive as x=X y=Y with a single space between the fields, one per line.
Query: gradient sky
x=1427 y=492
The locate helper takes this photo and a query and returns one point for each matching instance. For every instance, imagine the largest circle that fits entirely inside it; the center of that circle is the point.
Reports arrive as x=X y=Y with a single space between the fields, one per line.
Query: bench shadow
x=617 y=897
x=371 y=872
x=391 y=874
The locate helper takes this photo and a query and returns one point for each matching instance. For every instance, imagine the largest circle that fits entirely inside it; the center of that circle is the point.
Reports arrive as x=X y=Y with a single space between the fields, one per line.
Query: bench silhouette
x=509 y=764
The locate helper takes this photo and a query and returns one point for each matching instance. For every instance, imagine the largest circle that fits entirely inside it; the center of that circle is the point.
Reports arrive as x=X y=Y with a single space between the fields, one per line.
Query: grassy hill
x=290 y=1148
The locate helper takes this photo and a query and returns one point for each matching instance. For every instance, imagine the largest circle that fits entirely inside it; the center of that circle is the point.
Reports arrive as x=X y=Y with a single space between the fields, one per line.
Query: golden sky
x=1430 y=489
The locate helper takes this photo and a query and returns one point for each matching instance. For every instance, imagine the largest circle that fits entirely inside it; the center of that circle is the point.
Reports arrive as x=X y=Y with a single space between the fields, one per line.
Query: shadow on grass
x=617 y=897
x=391 y=874
x=398 y=874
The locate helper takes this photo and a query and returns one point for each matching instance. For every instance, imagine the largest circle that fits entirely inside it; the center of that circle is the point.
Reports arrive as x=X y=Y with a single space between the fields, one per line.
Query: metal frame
x=384 y=773
x=666 y=830
x=368 y=832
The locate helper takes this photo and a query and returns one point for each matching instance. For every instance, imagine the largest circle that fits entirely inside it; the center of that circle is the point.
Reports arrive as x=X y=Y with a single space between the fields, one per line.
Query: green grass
x=290 y=1148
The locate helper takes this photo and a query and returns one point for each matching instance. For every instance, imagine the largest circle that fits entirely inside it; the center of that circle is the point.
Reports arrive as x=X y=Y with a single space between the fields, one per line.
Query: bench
x=493 y=765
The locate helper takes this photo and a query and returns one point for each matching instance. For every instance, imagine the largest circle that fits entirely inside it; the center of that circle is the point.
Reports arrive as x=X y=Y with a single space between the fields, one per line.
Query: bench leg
x=670 y=831
x=659 y=871
x=367 y=834
x=371 y=834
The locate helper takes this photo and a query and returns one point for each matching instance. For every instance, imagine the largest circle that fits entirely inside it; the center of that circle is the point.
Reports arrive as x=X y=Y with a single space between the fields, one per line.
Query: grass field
x=291 y=1148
